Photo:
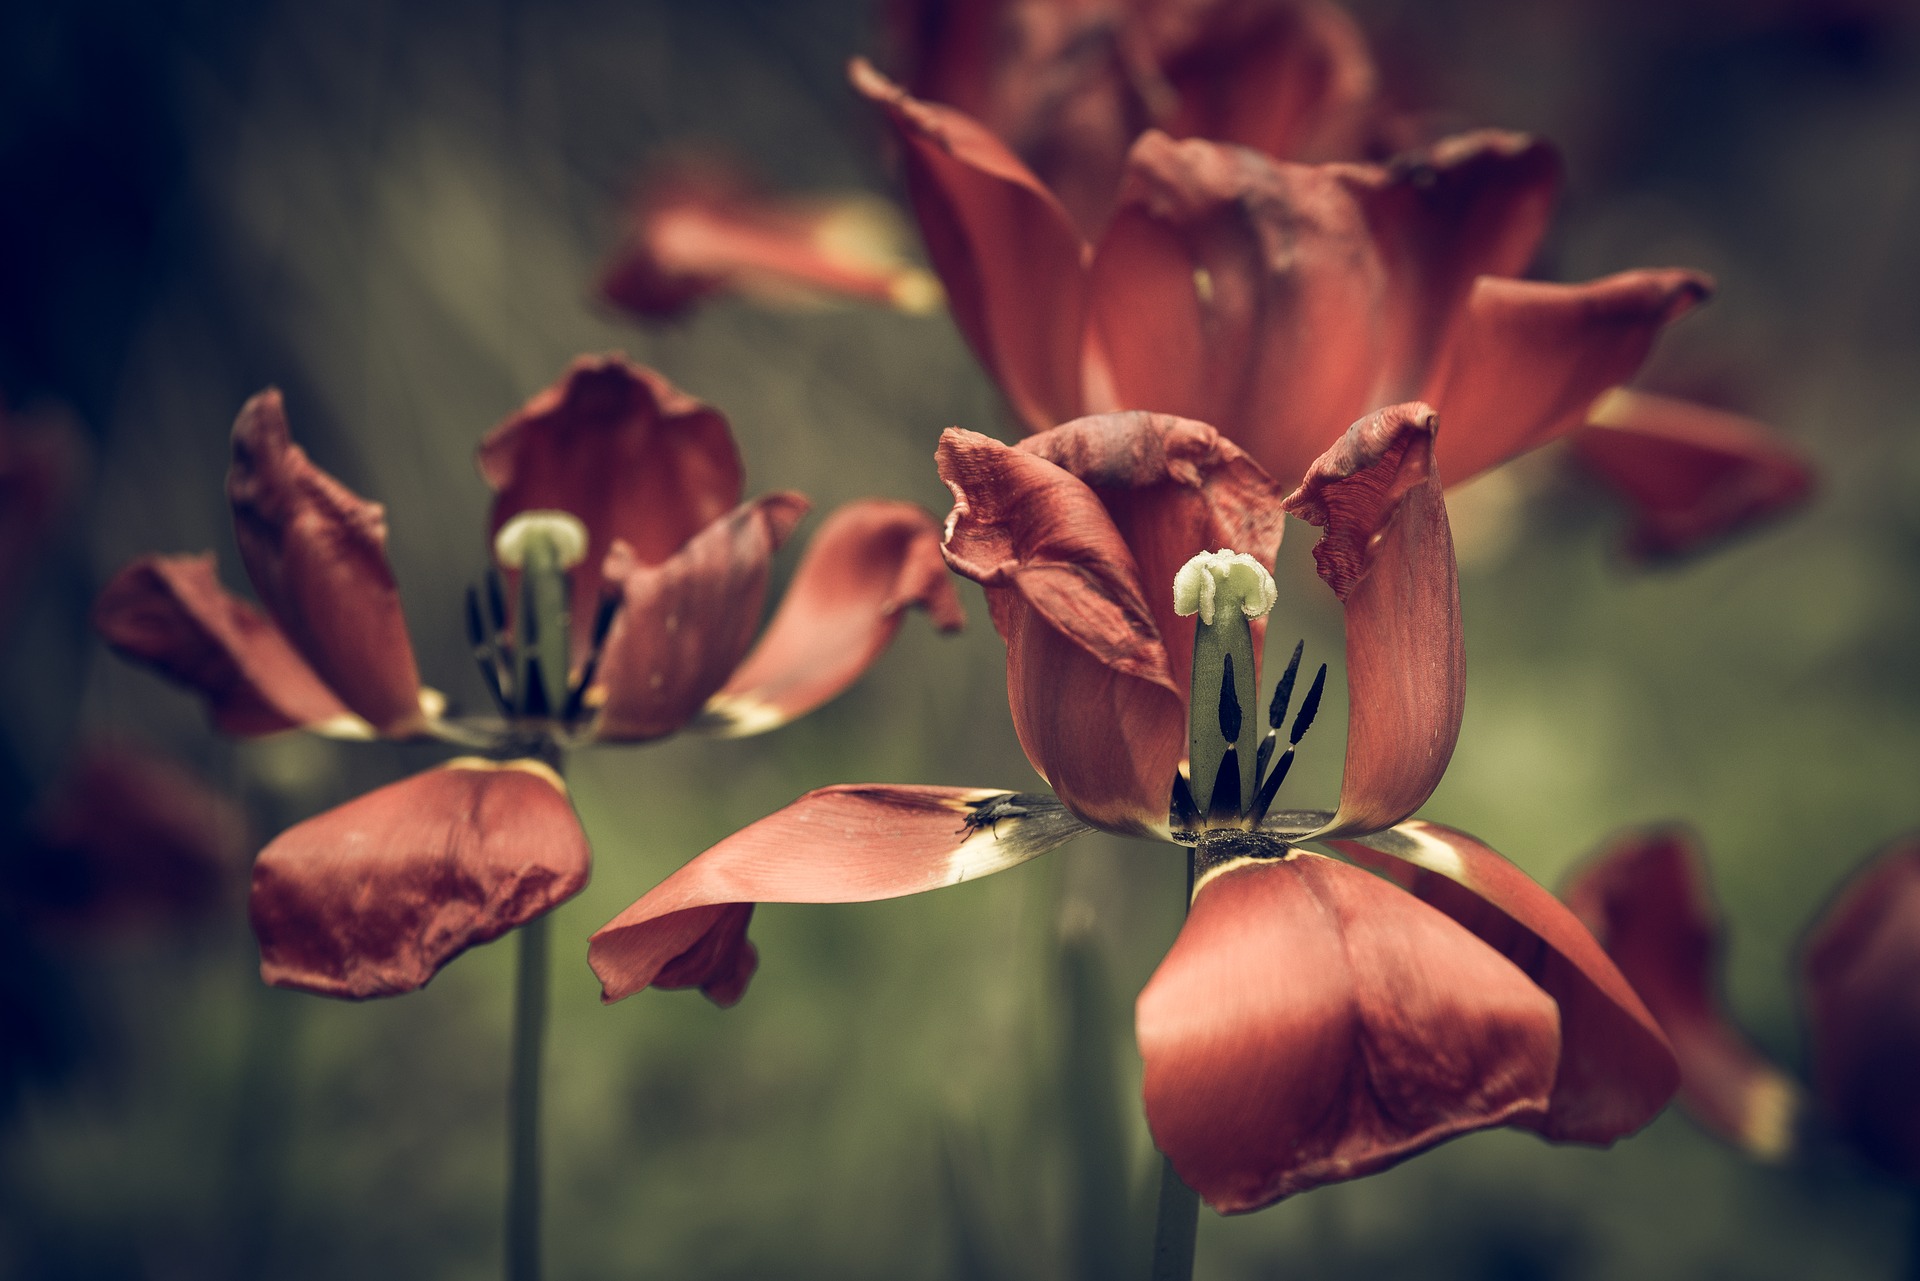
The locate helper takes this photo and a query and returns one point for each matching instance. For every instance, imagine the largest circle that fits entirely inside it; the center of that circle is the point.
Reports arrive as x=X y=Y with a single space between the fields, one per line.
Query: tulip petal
x=1693 y=475
x=1095 y=703
x=317 y=556
x=40 y=462
x=1313 y=1023
x=1861 y=968
x=1005 y=249
x=171 y=613
x=867 y=565
x=1616 y=1068
x=636 y=459
x=848 y=844
x=1388 y=555
x=1526 y=359
x=685 y=624
x=373 y=897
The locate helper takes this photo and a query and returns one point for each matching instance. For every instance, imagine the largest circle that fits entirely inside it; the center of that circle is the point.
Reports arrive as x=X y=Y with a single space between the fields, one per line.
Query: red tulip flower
x=640 y=579
x=1646 y=899
x=1314 y=1021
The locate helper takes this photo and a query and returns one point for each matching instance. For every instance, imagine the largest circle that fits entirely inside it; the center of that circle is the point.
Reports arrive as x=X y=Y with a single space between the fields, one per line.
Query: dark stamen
x=1185 y=814
x=1283 y=692
x=536 y=691
x=476 y=629
x=496 y=601
x=486 y=654
x=1229 y=705
x=1271 y=788
x=602 y=624
x=1225 y=803
x=1309 y=706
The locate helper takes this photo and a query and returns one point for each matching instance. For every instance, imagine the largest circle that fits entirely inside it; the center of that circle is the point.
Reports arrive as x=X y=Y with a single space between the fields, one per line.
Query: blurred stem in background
x=1097 y=1152
x=1176 y=1227
x=523 y=1103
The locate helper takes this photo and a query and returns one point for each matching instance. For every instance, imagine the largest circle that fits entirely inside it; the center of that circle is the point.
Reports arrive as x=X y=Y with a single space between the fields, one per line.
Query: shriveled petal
x=373 y=897
x=1095 y=702
x=317 y=556
x=1616 y=1069
x=867 y=565
x=1692 y=475
x=171 y=613
x=848 y=844
x=1388 y=555
x=1313 y=1023
x=1526 y=359
x=1861 y=968
x=1005 y=249
x=623 y=449
x=700 y=228
x=684 y=625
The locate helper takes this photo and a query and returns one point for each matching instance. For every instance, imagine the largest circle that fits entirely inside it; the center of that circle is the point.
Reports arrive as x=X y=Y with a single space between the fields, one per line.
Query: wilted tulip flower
x=1313 y=1022
x=1646 y=898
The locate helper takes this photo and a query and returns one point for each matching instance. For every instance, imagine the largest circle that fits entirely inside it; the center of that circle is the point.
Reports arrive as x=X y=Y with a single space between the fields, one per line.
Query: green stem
x=1176 y=1225
x=523 y=1104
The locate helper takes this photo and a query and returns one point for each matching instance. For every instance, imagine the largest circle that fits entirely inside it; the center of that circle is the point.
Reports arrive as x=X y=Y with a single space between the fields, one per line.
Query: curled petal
x=701 y=229
x=849 y=844
x=684 y=625
x=1313 y=1023
x=1616 y=1069
x=869 y=563
x=1861 y=969
x=1693 y=475
x=317 y=555
x=635 y=458
x=171 y=613
x=373 y=897
x=1526 y=359
x=1005 y=249
x=1095 y=702
x=1388 y=555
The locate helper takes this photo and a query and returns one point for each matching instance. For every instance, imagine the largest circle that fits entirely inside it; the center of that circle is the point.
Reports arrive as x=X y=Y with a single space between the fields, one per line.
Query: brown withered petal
x=1313 y=1023
x=848 y=844
x=1095 y=702
x=1526 y=359
x=1861 y=970
x=685 y=624
x=1387 y=553
x=631 y=455
x=372 y=898
x=867 y=565
x=1616 y=1068
x=1005 y=249
x=1646 y=900
x=1691 y=474
x=316 y=554
x=171 y=613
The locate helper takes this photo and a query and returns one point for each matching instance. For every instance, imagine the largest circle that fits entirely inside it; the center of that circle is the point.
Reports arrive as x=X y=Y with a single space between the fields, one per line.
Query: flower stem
x=1176 y=1225
x=523 y=1105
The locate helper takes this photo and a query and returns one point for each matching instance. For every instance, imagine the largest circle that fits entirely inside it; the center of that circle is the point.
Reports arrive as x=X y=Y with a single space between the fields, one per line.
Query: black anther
x=1229 y=704
x=1271 y=788
x=536 y=692
x=476 y=627
x=1226 y=786
x=1185 y=815
x=1283 y=692
x=496 y=601
x=1309 y=706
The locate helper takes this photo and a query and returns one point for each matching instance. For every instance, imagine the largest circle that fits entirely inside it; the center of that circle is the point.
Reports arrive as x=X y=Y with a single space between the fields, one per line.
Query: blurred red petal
x=373 y=897
x=171 y=613
x=1861 y=968
x=40 y=460
x=1095 y=703
x=1313 y=1023
x=317 y=556
x=1387 y=554
x=685 y=624
x=1693 y=475
x=1616 y=1068
x=867 y=565
x=1006 y=251
x=1526 y=359
x=848 y=844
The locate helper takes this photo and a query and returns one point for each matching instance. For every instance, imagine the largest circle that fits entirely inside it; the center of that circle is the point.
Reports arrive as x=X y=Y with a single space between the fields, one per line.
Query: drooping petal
x=1313 y=1023
x=1388 y=555
x=1693 y=475
x=701 y=228
x=867 y=565
x=373 y=897
x=1006 y=251
x=317 y=556
x=631 y=455
x=1616 y=1069
x=685 y=624
x=171 y=613
x=1095 y=703
x=849 y=844
x=1861 y=968
x=1526 y=359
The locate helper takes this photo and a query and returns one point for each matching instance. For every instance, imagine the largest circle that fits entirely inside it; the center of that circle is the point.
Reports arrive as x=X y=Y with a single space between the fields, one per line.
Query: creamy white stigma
x=561 y=530
x=1212 y=576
